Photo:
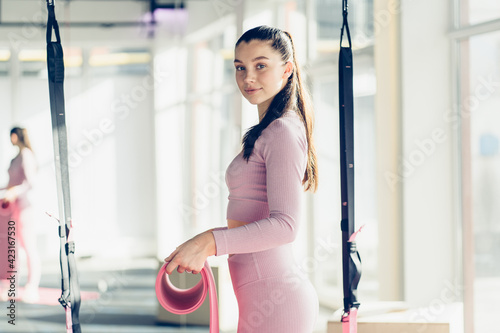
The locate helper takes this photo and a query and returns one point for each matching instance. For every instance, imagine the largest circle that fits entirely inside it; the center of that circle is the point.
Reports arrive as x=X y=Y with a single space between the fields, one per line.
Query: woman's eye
x=261 y=66
x=240 y=68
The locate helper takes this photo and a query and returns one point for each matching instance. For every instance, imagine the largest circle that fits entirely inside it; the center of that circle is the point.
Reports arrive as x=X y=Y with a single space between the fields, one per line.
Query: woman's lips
x=252 y=91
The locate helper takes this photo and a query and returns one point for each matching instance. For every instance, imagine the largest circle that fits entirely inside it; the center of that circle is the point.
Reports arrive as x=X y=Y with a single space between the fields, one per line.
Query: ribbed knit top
x=267 y=190
x=22 y=172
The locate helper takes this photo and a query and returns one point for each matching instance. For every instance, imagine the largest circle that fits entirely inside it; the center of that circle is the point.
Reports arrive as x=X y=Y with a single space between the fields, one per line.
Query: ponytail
x=304 y=106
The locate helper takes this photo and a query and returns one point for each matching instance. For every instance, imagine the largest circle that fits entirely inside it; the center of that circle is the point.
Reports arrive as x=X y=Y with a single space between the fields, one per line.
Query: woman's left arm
x=284 y=150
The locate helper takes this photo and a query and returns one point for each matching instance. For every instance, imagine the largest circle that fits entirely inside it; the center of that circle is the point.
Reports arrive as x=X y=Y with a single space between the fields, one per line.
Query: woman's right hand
x=9 y=195
x=191 y=255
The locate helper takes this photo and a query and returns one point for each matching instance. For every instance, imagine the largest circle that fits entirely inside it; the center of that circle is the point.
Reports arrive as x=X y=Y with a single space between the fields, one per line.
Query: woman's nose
x=249 y=77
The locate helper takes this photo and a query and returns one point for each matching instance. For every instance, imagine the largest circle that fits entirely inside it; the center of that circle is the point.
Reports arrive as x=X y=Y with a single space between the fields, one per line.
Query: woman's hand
x=192 y=254
x=9 y=195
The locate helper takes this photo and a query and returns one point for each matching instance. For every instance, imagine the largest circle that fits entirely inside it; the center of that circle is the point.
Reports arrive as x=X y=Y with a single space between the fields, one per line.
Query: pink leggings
x=273 y=294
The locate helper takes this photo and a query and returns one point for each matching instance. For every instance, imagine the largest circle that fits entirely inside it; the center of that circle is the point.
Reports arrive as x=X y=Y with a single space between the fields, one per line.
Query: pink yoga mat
x=184 y=301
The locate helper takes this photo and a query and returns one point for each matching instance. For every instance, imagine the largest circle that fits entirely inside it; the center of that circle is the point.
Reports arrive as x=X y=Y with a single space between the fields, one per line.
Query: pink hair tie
x=184 y=301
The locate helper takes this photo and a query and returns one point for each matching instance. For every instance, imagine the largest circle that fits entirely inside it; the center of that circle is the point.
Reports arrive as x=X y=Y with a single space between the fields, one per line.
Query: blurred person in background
x=22 y=172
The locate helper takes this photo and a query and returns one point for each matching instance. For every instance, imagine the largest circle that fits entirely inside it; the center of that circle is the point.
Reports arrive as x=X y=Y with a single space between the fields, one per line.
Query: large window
x=479 y=11
x=480 y=114
x=477 y=119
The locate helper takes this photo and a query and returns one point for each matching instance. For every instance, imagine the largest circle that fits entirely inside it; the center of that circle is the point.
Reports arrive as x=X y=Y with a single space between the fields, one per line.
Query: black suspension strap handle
x=70 y=296
x=351 y=261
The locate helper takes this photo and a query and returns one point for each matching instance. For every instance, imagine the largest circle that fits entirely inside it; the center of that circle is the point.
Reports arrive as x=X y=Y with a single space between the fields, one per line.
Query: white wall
x=415 y=153
x=429 y=145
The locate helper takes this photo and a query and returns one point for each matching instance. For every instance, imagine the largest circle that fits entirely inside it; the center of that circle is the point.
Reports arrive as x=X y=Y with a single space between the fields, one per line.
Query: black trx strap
x=351 y=261
x=70 y=297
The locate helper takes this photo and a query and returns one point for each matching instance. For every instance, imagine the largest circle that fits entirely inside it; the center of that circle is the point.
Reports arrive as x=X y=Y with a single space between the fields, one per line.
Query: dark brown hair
x=293 y=96
x=22 y=136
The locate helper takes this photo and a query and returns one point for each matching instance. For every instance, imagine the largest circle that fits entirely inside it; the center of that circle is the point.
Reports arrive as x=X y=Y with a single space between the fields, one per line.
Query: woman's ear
x=288 y=70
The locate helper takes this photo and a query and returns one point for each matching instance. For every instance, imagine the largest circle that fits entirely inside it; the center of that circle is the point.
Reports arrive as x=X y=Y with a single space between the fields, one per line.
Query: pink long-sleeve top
x=267 y=190
x=22 y=173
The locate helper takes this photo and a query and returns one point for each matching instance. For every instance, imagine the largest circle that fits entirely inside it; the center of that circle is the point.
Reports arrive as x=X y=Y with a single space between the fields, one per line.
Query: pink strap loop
x=184 y=301
x=69 y=321
x=350 y=321
x=353 y=236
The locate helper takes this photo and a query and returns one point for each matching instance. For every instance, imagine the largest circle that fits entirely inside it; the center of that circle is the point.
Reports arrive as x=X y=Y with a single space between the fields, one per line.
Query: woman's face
x=13 y=138
x=260 y=71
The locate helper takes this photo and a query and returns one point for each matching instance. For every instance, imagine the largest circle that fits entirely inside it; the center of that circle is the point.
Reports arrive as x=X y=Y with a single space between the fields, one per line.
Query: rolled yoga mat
x=184 y=301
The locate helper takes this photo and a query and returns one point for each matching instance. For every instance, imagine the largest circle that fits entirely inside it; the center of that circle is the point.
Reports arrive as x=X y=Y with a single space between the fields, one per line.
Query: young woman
x=265 y=180
x=22 y=172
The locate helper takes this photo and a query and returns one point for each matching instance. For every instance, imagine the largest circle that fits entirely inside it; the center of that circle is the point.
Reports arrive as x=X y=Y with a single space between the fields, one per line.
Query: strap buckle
x=347 y=314
x=64 y=301
x=70 y=247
